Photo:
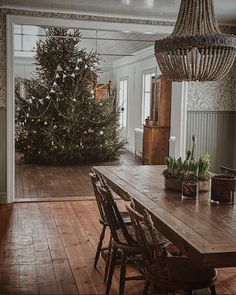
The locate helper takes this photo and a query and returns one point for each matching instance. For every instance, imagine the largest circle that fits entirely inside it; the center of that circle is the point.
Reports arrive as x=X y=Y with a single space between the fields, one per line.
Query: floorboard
x=48 y=248
x=46 y=182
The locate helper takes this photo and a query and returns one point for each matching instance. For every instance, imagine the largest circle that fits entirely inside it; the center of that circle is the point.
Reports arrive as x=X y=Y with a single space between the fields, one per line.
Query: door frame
x=12 y=20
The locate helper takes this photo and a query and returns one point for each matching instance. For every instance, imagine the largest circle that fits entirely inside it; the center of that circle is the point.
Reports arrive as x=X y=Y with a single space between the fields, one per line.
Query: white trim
x=68 y=23
x=10 y=113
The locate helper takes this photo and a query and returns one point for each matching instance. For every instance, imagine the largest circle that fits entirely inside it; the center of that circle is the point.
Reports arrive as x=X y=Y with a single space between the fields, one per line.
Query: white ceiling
x=147 y=9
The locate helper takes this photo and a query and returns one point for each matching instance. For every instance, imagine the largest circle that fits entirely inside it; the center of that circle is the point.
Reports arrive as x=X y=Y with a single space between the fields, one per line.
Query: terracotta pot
x=223 y=188
x=176 y=184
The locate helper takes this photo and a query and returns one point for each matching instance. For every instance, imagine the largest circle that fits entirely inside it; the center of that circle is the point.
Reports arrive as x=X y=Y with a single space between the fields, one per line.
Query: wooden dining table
x=205 y=232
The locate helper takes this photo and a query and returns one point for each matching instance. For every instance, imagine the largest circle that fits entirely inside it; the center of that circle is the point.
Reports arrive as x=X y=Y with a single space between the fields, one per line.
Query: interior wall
x=133 y=70
x=212 y=117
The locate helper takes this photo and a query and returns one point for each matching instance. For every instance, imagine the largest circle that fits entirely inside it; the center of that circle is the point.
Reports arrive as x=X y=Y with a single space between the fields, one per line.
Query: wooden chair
x=163 y=272
x=228 y=171
x=103 y=220
x=123 y=239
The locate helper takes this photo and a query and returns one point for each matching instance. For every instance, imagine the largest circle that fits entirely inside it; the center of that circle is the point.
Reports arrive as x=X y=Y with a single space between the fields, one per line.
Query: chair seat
x=131 y=231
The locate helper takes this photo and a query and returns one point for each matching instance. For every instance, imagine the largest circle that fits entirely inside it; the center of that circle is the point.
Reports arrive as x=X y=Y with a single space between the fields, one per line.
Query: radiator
x=138 y=141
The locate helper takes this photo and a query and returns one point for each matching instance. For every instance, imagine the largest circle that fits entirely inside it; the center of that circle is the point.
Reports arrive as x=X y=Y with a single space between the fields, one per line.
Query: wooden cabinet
x=157 y=129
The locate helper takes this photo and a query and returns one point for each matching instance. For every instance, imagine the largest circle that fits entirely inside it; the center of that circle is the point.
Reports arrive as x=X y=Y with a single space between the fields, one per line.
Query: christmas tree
x=59 y=120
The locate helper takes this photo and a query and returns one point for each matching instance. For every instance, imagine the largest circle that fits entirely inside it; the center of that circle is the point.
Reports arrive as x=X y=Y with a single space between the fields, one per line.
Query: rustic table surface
x=205 y=231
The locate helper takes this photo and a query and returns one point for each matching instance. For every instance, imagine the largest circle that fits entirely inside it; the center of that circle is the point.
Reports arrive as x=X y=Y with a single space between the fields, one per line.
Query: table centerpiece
x=179 y=170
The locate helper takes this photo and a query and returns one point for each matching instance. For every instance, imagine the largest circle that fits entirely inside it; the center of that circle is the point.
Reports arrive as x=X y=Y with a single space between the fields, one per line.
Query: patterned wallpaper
x=213 y=96
x=2 y=59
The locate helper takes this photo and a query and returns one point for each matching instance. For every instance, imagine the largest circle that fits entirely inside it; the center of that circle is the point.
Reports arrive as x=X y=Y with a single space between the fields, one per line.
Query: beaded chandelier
x=196 y=50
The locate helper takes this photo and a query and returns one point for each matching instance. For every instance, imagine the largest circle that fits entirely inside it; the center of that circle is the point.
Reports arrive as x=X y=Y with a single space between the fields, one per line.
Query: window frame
x=123 y=118
x=144 y=74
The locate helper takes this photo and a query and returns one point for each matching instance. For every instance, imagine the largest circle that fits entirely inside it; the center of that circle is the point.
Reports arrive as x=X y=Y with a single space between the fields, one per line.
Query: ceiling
x=109 y=43
x=146 y=9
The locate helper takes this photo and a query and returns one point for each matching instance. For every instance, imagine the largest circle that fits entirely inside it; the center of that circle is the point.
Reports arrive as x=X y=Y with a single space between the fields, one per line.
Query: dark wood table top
x=206 y=232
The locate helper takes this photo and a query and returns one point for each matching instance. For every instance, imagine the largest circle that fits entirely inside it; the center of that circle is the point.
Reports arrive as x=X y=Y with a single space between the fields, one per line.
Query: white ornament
x=74 y=99
x=48 y=97
x=79 y=59
x=77 y=68
x=27 y=115
x=57 y=75
x=73 y=75
x=92 y=91
x=59 y=68
x=55 y=126
x=64 y=76
x=45 y=123
x=100 y=104
x=41 y=101
x=85 y=66
x=55 y=83
x=101 y=132
x=30 y=100
x=52 y=91
x=90 y=130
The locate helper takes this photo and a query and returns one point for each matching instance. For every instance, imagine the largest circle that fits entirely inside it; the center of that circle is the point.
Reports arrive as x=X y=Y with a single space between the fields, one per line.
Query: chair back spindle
x=95 y=179
x=114 y=217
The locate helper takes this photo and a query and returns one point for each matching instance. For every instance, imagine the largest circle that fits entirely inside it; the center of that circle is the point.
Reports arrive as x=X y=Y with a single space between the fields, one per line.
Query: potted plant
x=179 y=170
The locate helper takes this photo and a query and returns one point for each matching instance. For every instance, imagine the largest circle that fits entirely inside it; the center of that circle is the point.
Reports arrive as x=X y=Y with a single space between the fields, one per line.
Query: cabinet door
x=155 y=98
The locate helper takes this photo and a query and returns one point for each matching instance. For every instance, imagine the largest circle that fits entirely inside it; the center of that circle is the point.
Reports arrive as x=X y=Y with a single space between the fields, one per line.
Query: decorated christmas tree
x=59 y=120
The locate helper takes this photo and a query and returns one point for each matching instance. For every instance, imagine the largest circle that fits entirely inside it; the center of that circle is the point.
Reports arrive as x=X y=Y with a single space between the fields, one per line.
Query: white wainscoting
x=215 y=133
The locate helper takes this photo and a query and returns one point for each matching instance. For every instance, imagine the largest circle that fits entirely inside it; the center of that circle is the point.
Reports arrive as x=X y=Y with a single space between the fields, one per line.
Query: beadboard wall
x=215 y=133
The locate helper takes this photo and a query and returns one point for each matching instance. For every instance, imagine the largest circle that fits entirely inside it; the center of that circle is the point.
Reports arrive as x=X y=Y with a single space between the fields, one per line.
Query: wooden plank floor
x=49 y=248
x=36 y=181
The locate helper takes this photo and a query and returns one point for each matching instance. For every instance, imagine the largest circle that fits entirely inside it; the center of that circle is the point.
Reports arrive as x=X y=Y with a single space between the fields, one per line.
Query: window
x=123 y=95
x=147 y=81
x=25 y=39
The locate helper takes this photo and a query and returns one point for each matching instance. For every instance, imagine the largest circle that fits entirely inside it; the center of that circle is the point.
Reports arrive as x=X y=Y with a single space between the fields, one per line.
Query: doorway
x=26 y=29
